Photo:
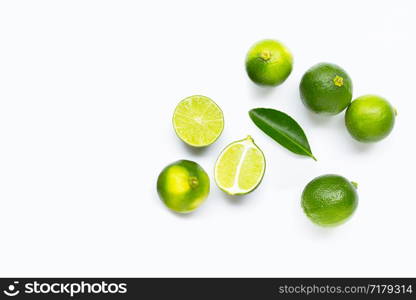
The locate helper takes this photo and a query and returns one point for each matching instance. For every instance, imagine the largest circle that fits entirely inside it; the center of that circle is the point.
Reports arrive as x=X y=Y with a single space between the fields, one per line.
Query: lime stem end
x=338 y=81
x=193 y=182
x=265 y=55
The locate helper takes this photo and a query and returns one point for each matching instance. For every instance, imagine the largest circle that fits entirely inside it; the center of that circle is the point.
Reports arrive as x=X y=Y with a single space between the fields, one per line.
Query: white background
x=87 y=91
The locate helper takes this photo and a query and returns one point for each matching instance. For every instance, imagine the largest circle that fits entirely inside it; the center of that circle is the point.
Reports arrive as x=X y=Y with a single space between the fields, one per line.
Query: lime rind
x=198 y=121
x=247 y=145
x=183 y=186
x=329 y=200
x=269 y=63
x=370 y=118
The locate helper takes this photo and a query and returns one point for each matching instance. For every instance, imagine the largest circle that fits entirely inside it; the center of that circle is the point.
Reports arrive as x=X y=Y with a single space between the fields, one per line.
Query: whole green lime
x=370 y=118
x=183 y=186
x=269 y=62
x=326 y=89
x=329 y=200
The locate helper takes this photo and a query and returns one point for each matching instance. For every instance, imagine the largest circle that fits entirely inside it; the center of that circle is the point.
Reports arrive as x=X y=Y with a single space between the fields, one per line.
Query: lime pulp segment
x=198 y=121
x=240 y=167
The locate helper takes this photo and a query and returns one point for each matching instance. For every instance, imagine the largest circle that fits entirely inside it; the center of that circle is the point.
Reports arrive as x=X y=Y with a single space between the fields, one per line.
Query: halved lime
x=240 y=167
x=198 y=121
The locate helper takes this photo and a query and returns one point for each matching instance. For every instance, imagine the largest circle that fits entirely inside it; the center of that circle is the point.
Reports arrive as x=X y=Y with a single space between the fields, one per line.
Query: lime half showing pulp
x=240 y=167
x=198 y=121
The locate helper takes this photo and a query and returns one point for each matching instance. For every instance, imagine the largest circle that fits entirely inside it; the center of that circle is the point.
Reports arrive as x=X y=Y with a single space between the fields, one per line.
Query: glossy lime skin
x=269 y=63
x=329 y=200
x=370 y=118
x=326 y=89
x=183 y=186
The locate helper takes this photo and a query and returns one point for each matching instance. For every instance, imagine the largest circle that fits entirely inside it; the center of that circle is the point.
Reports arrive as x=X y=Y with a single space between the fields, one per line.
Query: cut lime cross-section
x=240 y=167
x=198 y=121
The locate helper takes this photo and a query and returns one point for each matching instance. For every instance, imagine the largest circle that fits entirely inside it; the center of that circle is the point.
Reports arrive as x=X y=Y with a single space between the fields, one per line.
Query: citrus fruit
x=240 y=167
x=326 y=89
x=198 y=121
x=370 y=118
x=269 y=62
x=329 y=200
x=183 y=186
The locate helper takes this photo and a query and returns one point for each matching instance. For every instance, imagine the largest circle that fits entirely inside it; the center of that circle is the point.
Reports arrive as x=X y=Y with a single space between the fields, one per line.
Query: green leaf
x=283 y=129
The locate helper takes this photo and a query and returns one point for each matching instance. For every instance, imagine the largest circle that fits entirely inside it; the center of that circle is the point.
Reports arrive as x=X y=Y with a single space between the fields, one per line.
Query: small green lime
x=183 y=186
x=326 y=89
x=329 y=200
x=269 y=62
x=370 y=118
